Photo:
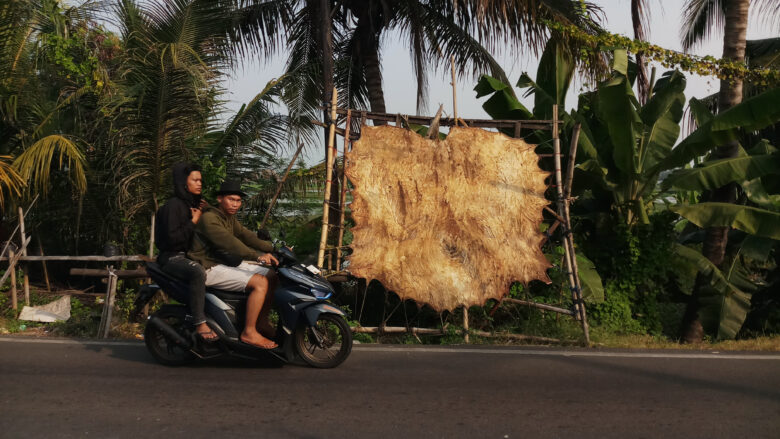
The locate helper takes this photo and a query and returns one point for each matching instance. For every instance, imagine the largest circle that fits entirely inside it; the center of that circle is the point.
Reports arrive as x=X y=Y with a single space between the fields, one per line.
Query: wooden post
x=12 y=262
x=466 y=324
x=11 y=236
x=343 y=195
x=151 y=239
x=454 y=92
x=328 y=175
x=108 y=305
x=281 y=185
x=12 y=270
x=24 y=253
x=45 y=269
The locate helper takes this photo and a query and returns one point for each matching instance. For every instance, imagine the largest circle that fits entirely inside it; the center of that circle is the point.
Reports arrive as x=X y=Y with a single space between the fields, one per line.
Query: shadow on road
x=139 y=354
x=689 y=381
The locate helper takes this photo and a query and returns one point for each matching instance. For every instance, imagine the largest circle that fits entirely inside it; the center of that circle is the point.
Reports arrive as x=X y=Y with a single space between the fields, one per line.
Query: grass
x=601 y=339
x=85 y=318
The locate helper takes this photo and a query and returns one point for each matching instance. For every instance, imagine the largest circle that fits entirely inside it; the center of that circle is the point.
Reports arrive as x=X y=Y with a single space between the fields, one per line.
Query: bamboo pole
x=108 y=305
x=328 y=176
x=97 y=258
x=12 y=270
x=280 y=186
x=151 y=239
x=343 y=194
x=575 y=138
x=380 y=330
x=454 y=92
x=561 y=202
x=45 y=269
x=579 y=303
x=25 y=272
x=449 y=121
x=466 y=324
x=563 y=211
x=12 y=261
x=11 y=236
x=138 y=273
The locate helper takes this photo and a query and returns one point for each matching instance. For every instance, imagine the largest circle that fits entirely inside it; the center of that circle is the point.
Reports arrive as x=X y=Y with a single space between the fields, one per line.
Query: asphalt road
x=63 y=388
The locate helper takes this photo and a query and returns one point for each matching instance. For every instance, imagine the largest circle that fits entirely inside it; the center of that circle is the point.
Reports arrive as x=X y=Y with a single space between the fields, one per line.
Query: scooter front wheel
x=326 y=344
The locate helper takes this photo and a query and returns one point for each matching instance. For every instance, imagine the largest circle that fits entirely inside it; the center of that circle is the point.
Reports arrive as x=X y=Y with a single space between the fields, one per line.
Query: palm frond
x=34 y=165
x=11 y=183
x=701 y=18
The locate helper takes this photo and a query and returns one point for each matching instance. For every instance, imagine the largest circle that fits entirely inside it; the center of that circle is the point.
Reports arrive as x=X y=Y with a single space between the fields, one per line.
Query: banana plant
x=724 y=300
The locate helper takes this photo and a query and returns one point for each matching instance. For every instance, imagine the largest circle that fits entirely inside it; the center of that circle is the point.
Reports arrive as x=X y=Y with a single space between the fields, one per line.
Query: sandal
x=208 y=336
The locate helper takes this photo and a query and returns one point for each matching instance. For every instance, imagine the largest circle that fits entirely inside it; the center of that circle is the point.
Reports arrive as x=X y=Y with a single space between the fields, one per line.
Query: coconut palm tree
x=435 y=31
x=177 y=54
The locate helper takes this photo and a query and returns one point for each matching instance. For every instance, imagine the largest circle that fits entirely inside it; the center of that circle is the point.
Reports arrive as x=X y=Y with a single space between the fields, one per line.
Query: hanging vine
x=700 y=65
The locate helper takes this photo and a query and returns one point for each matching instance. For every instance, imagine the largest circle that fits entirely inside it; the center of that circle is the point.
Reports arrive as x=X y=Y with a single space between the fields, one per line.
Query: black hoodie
x=173 y=222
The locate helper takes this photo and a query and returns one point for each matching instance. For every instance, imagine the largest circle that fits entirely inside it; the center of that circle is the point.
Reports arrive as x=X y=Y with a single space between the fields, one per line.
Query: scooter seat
x=227 y=295
x=154 y=269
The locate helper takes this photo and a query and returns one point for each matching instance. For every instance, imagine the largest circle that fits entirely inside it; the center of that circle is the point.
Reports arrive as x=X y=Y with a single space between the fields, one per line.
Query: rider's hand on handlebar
x=268 y=259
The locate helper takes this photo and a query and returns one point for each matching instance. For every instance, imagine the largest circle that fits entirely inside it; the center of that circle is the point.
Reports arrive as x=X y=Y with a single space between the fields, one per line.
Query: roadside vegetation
x=677 y=211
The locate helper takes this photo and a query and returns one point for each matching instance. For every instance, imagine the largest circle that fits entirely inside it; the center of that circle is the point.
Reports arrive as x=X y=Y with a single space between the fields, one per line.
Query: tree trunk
x=642 y=82
x=730 y=94
x=368 y=47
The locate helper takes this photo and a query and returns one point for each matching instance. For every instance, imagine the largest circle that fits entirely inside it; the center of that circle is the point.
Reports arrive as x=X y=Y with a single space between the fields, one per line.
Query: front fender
x=313 y=312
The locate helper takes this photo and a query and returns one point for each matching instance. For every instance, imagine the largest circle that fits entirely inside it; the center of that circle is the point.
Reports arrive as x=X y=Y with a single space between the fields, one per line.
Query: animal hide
x=446 y=223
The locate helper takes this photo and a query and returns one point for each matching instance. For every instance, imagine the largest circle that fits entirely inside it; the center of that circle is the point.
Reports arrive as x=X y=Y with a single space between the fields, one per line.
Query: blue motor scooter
x=308 y=326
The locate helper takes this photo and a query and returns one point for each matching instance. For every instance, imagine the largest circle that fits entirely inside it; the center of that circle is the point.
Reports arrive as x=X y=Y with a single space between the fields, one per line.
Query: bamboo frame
x=384 y=330
x=23 y=251
x=343 y=193
x=328 y=176
x=561 y=214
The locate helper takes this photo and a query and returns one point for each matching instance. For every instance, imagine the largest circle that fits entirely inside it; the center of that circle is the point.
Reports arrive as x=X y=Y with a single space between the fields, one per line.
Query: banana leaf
x=759 y=222
x=592 y=287
x=554 y=75
x=717 y=173
x=502 y=104
x=617 y=109
x=752 y=114
x=725 y=304
x=757 y=193
x=661 y=117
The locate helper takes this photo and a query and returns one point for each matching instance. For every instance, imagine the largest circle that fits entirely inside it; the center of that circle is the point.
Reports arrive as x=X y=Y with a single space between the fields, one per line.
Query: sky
x=399 y=82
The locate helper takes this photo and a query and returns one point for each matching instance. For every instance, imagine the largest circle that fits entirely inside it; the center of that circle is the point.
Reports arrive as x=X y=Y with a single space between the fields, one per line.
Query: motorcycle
x=308 y=326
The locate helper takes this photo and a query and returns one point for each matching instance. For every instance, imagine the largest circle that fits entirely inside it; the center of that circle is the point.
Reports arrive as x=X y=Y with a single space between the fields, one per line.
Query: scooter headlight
x=320 y=294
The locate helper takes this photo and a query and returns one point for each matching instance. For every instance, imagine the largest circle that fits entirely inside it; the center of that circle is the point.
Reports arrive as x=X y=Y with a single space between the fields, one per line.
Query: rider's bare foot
x=256 y=339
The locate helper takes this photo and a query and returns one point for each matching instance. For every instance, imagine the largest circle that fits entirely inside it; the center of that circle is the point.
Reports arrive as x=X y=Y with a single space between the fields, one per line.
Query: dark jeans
x=193 y=274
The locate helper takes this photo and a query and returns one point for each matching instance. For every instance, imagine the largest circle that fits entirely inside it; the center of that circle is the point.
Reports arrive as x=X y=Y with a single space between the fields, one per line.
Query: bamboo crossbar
x=543 y=306
x=449 y=121
x=380 y=330
x=133 y=258
x=138 y=273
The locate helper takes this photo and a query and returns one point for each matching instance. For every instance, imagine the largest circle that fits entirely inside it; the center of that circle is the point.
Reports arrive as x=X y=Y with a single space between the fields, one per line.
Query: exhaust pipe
x=169 y=332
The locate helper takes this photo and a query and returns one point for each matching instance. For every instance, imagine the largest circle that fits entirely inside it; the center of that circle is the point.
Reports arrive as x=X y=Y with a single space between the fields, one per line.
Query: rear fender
x=313 y=312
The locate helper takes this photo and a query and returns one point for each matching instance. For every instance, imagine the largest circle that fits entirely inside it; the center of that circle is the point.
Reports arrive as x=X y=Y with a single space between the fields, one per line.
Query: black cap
x=231 y=187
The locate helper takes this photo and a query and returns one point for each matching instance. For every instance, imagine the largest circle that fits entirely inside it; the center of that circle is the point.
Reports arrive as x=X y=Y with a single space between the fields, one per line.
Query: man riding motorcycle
x=222 y=245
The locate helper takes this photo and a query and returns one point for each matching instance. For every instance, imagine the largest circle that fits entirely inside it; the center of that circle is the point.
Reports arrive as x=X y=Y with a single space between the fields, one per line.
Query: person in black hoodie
x=174 y=228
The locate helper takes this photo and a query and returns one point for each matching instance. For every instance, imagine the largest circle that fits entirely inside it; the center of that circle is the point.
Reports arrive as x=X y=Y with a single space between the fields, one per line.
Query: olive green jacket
x=217 y=231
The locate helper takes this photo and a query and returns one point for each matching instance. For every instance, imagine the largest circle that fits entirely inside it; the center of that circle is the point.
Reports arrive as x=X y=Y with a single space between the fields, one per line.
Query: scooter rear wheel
x=164 y=350
x=326 y=344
